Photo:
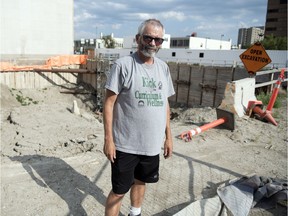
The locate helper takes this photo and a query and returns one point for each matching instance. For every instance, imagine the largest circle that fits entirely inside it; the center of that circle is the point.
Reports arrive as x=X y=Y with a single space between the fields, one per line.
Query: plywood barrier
x=35 y=80
x=199 y=85
x=194 y=85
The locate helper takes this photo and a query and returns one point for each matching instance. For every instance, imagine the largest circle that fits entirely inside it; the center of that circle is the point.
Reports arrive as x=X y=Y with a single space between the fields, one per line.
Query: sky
x=215 y=19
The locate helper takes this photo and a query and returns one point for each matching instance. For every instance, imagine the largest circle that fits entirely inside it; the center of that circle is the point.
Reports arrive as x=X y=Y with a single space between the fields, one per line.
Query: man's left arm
x=168 y=144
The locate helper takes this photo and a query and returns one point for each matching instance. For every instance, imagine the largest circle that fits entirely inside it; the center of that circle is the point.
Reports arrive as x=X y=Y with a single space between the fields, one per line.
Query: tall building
x=276 y=18
x=36 y=28
x=248 y=36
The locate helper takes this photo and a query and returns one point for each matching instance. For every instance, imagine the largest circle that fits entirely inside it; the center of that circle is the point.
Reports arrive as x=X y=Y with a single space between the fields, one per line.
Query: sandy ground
x=52 y=161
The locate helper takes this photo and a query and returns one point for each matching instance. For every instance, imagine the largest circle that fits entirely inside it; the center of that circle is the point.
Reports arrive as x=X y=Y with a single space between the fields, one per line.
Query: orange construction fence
x=56 y=61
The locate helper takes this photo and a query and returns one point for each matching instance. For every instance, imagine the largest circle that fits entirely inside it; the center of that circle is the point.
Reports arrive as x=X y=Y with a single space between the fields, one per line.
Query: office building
x=248 y=36
x=192 y=42
x=276 y=18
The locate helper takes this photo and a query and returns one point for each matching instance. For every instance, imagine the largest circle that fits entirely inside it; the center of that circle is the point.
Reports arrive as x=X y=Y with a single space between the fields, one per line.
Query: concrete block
x=237 y=95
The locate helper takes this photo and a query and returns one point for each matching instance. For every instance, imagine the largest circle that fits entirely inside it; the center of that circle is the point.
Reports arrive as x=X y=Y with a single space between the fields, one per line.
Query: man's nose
x=153 y=42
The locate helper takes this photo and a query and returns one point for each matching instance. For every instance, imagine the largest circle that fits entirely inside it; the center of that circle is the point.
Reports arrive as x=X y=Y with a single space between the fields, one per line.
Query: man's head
x=150 y=37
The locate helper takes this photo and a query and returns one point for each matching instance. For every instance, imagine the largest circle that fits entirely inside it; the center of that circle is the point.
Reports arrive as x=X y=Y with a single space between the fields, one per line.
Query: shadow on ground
x=65 y=181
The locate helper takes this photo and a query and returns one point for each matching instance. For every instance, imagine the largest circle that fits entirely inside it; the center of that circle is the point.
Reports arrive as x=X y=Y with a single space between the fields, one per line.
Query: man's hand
x=110 y=150
x=168 y=148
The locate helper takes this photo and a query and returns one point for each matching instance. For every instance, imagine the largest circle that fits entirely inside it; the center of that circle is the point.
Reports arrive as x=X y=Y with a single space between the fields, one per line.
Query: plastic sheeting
x=239 y=196
x=255 y=191
x=205 y=207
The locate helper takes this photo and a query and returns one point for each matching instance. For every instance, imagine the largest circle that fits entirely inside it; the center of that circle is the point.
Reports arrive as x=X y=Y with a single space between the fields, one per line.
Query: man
x=137 y=119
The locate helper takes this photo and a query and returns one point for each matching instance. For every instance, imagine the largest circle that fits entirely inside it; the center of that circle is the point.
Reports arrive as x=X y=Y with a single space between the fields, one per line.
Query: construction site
x=230 y=146
x=52 y=138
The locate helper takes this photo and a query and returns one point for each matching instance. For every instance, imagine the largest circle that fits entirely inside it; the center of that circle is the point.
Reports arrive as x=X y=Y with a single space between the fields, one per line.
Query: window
x=272 y=20
x=186 y=43
x=271 y=29
x=174 y=43
x=201 y=55
x=273 y=11
x=180 y=43
x=173 y=54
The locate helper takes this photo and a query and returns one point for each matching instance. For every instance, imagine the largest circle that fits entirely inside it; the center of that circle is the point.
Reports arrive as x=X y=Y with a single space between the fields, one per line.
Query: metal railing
x=272 y=79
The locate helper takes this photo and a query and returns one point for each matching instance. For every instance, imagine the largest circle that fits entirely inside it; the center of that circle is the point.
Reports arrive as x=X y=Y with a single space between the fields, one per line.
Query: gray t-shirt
x=139 y=115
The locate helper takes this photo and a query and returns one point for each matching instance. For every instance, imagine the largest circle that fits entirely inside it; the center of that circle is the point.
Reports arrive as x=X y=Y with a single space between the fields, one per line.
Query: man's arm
x=168 y=144
x=109 y=146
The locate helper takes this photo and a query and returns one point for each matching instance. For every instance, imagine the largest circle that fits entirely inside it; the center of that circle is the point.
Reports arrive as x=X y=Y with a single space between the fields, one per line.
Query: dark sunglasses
x=148 y=39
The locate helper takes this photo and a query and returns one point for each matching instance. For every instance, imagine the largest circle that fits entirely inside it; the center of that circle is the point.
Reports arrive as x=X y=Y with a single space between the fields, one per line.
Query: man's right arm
x=109 y=146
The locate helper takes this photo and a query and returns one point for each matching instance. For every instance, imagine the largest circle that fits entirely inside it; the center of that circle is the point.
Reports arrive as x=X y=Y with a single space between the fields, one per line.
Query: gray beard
x=148 y=54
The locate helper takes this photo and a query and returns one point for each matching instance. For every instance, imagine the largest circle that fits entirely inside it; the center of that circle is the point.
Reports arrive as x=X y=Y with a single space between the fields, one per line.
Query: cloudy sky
x=208 y=18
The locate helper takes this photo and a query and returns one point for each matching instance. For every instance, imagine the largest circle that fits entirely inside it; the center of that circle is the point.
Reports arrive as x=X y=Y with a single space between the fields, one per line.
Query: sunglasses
x=148 y=39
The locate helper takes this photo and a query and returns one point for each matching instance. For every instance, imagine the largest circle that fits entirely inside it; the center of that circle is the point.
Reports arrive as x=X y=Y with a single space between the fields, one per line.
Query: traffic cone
x=267 y=114
x=224 y=118
x=187 y=135
x=275 y=91
x=264 y=115
x=251 y=105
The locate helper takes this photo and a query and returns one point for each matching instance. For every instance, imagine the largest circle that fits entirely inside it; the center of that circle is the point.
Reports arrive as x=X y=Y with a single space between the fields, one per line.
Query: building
x=191 y=42
x=227 y=58
x=248 y=36
x=188 y=42
x=276 y=18
x=36 y=28
x=83 y=45
x=176 y=42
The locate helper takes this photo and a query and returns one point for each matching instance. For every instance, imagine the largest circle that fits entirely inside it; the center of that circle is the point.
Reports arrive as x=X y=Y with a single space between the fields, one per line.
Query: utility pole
x=222 y=35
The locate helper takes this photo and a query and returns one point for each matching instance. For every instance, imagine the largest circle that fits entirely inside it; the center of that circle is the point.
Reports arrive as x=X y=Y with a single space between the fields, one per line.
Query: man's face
x=150 y=42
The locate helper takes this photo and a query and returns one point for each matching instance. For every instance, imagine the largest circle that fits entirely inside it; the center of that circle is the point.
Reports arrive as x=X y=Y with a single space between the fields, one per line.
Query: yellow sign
x=255 y=58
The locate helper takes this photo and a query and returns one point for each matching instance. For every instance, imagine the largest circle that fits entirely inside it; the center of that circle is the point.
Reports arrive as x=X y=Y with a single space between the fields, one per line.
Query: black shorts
x=127 y=167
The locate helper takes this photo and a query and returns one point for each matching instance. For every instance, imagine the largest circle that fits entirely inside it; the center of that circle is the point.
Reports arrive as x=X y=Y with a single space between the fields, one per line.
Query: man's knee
x=138 y=182
x=116 y=195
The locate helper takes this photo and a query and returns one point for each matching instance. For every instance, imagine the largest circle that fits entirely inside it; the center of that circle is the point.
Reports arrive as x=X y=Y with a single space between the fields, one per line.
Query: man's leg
x=113 y=204
x=137 y=193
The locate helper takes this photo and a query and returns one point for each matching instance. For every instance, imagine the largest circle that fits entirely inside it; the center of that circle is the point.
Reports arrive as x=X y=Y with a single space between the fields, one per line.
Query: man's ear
x=137 y=38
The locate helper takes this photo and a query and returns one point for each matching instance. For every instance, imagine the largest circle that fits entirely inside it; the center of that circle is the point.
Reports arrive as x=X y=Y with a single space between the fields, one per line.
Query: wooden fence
x=202 y=85
x=194 y=85
x=205 y=86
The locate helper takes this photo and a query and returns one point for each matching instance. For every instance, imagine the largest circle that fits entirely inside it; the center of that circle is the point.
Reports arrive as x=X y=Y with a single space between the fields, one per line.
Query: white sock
x=135 y=211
